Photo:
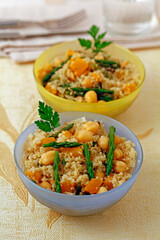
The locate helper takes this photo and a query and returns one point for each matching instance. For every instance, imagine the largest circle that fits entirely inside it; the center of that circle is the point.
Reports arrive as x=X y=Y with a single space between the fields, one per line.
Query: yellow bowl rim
x=89 y=104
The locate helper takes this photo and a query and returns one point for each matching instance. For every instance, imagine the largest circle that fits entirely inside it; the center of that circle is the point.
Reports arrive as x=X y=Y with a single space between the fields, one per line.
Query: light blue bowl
x=79 y=205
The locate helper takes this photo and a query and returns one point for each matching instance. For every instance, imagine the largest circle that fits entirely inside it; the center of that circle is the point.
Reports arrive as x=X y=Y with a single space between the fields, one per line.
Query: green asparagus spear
x=111 y=150
x=105 y=98
x=62 y=144
x=97 y=90
x=63 y=162
x=78 y=189
x=106 y=64
x=34 y=181
x=56 y=173
x=63 y=129
x=89 y=162
x=49 y=75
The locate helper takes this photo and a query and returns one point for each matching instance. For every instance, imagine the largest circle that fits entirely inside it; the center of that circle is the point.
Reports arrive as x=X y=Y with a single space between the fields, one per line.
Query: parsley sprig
x=98 y=44
x=49 y=120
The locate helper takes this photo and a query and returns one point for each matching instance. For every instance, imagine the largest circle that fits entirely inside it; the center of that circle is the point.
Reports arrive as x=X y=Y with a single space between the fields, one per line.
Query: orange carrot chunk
x=67 y=186
x=48 y=140
x=51 y=89
x=76 y=151
x=129 y=87
x=29 y=174
x=78 y=66
x=67 y=134
x=41 y=74
x=69 y=53
x=38 y=175
x=48 y=67
x=93 y=186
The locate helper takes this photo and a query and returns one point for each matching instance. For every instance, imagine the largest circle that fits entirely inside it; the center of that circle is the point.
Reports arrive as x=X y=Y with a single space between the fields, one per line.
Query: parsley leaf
x=98 y=44
x=45 y=112
x=45 y=126
x=93 y=31
x=101 y=36
x=49 y=121
x=85 y=43
x=55 y=120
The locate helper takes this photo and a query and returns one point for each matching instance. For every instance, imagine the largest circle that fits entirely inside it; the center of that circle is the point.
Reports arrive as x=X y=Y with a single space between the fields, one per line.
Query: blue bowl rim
x=81 y=196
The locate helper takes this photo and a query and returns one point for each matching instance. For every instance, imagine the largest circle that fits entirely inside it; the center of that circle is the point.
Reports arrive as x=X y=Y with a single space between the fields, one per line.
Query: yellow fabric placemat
x=136 y=216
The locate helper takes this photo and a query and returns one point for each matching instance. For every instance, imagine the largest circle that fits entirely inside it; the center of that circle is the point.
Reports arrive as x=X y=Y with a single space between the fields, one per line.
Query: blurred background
x=29 y=27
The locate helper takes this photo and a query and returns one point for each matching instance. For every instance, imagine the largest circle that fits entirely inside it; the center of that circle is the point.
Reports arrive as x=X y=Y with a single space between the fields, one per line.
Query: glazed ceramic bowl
x=111 y=108
x=86 y=204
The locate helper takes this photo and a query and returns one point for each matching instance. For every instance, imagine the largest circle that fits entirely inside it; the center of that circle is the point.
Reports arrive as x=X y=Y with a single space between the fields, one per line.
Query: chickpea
x=103 y=142
x=91 y=127
x=47 y=158
x=119 y=166
x=118 y=153
x=84 y=136
x=102 y=190
x=91 y=97
x=117 y=139
x=99 y=174
x=46 y=185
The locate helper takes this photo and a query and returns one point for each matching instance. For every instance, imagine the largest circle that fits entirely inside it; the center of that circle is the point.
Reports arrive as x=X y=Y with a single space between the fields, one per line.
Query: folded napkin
x=26 y=44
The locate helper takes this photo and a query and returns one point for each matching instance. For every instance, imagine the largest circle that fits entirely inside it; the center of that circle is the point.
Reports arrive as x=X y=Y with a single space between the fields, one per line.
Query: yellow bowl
x=111 y=108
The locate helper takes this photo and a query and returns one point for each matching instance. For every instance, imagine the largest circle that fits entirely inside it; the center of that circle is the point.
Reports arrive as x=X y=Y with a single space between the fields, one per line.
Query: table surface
x=136 y=216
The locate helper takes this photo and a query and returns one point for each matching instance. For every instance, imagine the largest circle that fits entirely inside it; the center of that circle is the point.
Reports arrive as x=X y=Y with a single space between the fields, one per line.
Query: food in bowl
x=91 y=75
x=79 y=159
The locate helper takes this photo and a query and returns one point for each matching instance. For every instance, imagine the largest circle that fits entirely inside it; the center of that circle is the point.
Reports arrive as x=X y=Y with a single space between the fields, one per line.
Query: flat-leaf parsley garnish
x=49 y=120
x=98 y=44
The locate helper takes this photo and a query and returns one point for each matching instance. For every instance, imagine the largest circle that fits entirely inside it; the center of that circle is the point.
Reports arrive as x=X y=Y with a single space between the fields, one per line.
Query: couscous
x=90 y=75
x=81 y=157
